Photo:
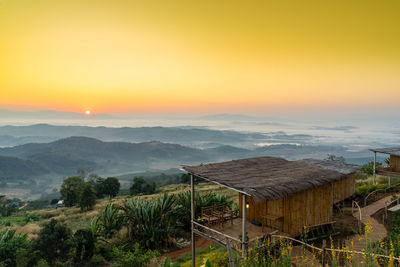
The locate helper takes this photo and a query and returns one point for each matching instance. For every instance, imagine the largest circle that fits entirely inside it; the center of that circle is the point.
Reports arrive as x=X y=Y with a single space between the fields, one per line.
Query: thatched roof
x=268 y=178
x=389 y=150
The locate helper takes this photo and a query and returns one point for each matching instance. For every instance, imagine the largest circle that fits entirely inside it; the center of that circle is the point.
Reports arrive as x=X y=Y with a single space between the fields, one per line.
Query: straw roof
x=389 y=150
x=268 y=178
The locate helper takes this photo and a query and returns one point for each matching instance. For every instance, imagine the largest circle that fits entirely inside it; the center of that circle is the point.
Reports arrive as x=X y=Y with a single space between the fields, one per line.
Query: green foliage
x=185 y=178
x=54 y=242
x=96 y=260
x=108 y=222
x=135 y=257
x=110 y=187
x=71 y=190
x=88 y=197
x=32 y=217
x=84 y=246
x=150 y=223
x=10 y=244
x=13 y=220
x=363 y=190
x=7 y=209
x=369 y=167
x=141 y=186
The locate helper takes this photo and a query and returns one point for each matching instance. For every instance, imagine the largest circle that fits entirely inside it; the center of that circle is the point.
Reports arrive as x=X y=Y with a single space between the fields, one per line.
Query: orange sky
x=177 y=56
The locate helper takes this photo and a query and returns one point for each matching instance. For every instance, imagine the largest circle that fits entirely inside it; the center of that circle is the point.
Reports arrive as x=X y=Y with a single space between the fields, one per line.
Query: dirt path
x=379 y=232
x=201 y=243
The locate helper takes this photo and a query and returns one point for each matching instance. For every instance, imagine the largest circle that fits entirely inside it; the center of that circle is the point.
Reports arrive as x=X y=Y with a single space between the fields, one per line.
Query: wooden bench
x=217 y=214
x=224 y=213
x=208 y=213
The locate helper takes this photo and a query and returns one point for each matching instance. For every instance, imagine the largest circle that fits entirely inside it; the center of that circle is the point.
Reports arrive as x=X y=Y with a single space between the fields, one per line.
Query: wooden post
x=390 y=181
x=230 y=258
x=374 y=167
x=244 y=223
x=323 y=260
x=192 y=211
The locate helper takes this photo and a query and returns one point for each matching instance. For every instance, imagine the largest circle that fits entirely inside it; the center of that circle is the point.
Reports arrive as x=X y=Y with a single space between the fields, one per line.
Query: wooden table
x=270 y=220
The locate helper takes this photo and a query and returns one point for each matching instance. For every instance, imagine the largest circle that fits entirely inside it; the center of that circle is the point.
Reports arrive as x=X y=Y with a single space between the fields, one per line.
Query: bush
x=135 y=257
x=31 y=218
x=54 y=242
x=363 y=190
x=97 y=260
x=10 y=244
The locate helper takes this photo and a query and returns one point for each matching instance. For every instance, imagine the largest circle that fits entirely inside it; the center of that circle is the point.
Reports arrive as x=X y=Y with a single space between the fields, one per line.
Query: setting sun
x=87 y=112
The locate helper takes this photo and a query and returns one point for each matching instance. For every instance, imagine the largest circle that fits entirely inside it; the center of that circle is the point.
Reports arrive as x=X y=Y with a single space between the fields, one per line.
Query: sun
x=87 y=112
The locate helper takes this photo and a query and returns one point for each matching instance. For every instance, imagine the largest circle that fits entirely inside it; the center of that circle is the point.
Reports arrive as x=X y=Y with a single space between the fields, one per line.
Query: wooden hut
x=393 y=170
x=286 y=195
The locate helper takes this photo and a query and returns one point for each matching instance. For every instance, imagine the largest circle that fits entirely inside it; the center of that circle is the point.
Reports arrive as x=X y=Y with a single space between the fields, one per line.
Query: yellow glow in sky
x=178 y=56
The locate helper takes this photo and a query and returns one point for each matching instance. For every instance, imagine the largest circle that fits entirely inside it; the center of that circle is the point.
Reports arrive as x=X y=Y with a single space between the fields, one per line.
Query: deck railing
x=385 y=190
x=221 y=238
x=216 y=236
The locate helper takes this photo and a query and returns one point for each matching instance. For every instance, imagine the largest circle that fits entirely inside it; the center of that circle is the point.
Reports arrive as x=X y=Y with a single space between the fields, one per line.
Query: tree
x=111 y=186
x=54 y=242
x=140 y=186
x=71 y=190
x=137 y=186
x=88 y=197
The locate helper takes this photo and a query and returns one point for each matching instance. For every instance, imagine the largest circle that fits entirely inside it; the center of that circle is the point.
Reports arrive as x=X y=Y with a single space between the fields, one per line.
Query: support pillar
x=192 y=211
x=244 y=247
x=374 y=167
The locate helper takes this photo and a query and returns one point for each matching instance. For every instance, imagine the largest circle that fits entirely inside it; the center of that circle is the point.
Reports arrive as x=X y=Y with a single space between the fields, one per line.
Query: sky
x=199 y=56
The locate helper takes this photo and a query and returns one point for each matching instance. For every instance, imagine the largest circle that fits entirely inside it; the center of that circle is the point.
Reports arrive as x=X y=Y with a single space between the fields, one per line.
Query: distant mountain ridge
x=63 y=157
x=184 y=135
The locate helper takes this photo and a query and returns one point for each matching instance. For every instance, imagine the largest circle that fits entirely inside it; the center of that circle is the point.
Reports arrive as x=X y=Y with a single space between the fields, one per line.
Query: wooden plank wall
x=308 y=207
x=255 y=211
x=344 y=188
x=395 y=163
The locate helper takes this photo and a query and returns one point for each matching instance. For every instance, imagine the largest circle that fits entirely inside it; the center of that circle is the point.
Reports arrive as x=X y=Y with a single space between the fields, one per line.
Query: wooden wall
x=344 y=188
x=304 y=208
x=395 y=163
x=308 y=207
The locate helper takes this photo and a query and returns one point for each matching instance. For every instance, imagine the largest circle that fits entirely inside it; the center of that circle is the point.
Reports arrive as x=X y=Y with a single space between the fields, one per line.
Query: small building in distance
x=393 y=170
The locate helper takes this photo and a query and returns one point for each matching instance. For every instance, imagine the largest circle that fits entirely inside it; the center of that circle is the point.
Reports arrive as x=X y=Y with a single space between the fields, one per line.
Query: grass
x=18 y=220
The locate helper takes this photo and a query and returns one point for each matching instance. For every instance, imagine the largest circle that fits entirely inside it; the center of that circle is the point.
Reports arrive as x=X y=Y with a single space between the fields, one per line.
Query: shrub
x=135 y=257
x=33 y=217
x=97 y=260
x=363 y=190
x=10 y=244
x=54 y=242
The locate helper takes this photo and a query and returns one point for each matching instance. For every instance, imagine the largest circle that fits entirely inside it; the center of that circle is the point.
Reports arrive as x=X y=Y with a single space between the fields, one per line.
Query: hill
x=180 y=135
x=104 y=157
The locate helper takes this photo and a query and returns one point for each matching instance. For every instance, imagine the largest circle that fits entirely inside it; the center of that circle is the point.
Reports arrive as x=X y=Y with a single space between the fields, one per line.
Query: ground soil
x=201 y=243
